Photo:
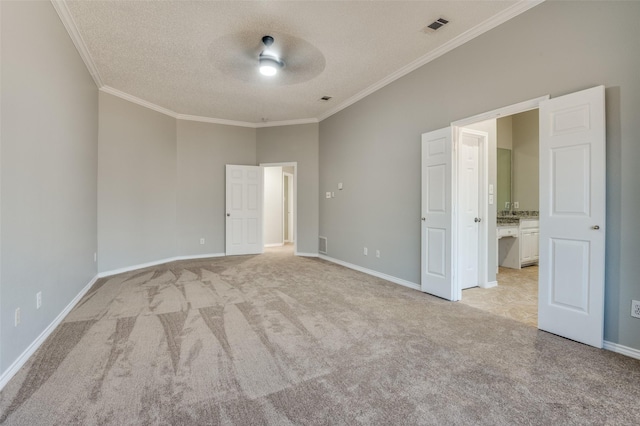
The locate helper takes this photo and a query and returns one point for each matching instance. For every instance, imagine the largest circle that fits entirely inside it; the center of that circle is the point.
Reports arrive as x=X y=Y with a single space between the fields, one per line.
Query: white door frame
x=295 y=199
x=483 y=208
x=285 y=208
x=456 y=125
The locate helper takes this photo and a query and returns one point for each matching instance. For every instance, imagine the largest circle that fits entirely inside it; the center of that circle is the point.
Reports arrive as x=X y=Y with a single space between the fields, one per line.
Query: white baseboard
x=621 y=349
x=200 y=256
x=394 y=280
x=274 y=245
x=33 y=347
x=156 y=262
x=299 y=253
x=489 y=284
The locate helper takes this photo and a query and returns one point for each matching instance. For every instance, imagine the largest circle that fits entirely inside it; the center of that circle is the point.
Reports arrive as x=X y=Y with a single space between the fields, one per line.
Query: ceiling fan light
x=269 y=66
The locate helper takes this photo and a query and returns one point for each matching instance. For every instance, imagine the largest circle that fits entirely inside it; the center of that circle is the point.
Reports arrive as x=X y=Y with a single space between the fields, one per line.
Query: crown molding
x=500 y=18
x=127 y=97
x=286 y=122
x=70 y=24
x=134 y=99
x=187 y=117
x=249 y=124
x=62 y=9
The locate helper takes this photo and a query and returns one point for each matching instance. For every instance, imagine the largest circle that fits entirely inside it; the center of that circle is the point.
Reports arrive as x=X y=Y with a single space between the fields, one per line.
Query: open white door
x=244 y=210
x=572 y=216
x=471 y=208
x=437 y=215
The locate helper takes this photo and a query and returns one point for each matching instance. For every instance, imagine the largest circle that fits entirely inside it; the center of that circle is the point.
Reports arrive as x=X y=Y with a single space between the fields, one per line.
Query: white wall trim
x=127 y=97
x=508 y=13
x=621 y=349
x=299 y=253
x=156 y=263
x=286 y=122
x=489 y=284
x=200 y=119
x=33 y=347
x=502 y=112
x=70 y=24
x=199 y=256
x=390 y=278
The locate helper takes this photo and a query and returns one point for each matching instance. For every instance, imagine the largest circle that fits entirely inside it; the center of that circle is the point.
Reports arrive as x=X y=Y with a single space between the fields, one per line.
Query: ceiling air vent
x=325 y=98
x=435 y=25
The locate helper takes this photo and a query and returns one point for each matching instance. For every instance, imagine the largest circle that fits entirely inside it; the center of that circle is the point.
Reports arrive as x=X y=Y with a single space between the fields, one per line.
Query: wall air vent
x=435 y=25
x=322 y=245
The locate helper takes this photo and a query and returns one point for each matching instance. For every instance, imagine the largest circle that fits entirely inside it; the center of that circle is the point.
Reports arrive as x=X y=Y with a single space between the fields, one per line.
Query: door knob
x=477 y=219
x=424 y=218
x=228 y=214
x=596 y=227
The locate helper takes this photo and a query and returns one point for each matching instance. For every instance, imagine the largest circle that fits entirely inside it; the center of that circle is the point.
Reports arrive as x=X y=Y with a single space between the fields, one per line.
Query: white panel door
x=244 y=188
x=469 y=208
x=572 y=216
x=437 y=217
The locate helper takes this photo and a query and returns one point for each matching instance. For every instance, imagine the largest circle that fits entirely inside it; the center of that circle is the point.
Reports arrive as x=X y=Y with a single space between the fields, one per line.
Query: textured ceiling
x=197 y=57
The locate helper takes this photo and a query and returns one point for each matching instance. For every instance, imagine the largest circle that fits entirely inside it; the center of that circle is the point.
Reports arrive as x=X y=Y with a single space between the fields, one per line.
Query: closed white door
x=572 y=216
x=469 y=217
x=244 y=188
x=437 y=214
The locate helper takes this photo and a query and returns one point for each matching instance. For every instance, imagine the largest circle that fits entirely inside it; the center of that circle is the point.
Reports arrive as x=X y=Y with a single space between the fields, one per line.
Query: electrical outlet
x=366 y=251
x=38 y=299
x=635 y=308
x=328 y=195
x=378 y=253
x=516 y=205
x=17 y=317
x=201 y=240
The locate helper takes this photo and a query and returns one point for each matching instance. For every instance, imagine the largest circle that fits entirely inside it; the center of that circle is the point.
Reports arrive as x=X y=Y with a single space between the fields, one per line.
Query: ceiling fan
x=269 y=62
x=251 y=56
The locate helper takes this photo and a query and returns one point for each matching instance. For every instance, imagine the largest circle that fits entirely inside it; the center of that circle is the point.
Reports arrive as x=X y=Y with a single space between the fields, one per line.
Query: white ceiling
x=190 y=57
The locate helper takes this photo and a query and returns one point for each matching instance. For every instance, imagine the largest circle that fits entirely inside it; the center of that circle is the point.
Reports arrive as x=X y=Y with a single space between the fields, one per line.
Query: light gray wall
x=297 y=144
x=525 y=156
x=49 y=134
x=374 y=145
x=490 y=126
x=273 y=194
x=203 y=151
x=136 y=184
x=505 y=132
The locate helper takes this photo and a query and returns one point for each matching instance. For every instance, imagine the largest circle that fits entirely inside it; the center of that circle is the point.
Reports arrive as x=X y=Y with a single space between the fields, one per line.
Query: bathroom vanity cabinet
x=518 y=243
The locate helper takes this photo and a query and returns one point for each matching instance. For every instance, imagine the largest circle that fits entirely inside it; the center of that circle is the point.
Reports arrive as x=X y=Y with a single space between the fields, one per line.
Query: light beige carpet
x=275 y=339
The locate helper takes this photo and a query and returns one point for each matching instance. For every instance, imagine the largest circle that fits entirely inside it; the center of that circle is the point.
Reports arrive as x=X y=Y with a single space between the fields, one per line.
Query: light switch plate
x=490 y=198
x=340 y=185
x=491 y=189
x=516 y=205
x=328 y=195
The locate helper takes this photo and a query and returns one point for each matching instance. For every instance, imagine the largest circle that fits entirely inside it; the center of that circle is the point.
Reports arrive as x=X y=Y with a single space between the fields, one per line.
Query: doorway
x=572 y=212
x=280 y=212
x=511 y=292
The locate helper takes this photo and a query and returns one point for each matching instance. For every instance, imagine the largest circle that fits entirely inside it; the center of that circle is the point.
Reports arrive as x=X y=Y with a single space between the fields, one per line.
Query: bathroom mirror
x=504 y=179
